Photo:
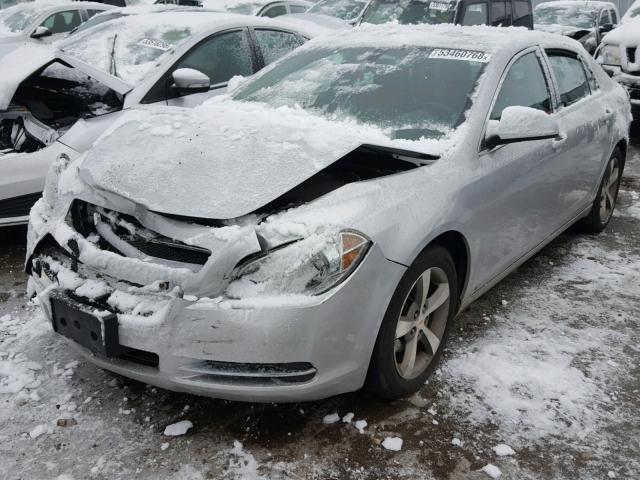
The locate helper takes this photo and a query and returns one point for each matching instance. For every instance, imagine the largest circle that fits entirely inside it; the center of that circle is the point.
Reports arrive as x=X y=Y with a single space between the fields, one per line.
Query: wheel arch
x=456 y=244
x=622 y=146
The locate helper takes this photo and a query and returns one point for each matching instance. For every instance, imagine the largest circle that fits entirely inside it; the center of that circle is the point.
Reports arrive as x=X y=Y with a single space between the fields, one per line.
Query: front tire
x=603 y=206
x=415 y=327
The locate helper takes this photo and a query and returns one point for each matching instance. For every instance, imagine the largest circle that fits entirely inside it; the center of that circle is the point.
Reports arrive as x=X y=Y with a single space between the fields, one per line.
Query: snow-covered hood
x=627 y=34
x=25 y=60
x=566 y=30
x=222 y=160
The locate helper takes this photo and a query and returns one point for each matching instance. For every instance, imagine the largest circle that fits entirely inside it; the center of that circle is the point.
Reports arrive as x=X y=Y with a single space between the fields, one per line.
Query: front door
x=517 y=197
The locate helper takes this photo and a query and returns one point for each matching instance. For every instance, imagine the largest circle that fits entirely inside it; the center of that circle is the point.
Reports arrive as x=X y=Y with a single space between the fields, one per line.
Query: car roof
x=506 y=40
x=595 y=5
x=196 y=19
x=44 y=5
x=257 y=4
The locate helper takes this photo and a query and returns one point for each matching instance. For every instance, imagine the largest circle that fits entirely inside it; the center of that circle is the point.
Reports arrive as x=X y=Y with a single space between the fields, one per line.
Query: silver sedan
x=319 y=230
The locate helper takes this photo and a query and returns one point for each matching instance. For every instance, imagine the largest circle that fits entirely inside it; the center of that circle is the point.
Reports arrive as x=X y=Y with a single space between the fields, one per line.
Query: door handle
x=559 y=141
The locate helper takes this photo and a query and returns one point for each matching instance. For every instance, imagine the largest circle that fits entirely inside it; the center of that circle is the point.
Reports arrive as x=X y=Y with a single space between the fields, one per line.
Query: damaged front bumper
x=278 y=350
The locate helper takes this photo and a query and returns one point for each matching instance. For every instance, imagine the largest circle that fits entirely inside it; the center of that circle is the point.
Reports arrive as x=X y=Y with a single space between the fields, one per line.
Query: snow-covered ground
x=541 y=380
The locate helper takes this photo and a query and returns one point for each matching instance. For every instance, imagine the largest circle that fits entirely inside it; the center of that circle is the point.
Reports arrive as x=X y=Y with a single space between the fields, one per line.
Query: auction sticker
x=456 y=54
x=155 y=43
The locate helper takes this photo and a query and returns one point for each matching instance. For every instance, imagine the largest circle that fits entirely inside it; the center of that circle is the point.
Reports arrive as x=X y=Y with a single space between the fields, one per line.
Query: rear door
x=586 y=121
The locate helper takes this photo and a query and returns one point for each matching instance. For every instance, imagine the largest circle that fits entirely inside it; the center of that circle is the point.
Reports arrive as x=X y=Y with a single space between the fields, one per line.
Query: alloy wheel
x=609 y=191
x=422 y=323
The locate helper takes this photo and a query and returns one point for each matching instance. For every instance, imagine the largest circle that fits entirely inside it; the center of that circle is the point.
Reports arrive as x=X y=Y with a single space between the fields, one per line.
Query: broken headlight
x=309 y=266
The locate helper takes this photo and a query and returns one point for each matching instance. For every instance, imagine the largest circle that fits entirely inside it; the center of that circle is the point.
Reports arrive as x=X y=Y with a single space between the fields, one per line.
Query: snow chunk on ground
x=361 y=425
x=348 y=417
x=456 y=442
x=492 y=471
x=177 y=429
x=330 y=419
x=39 y=430
x=244 y=465
x=503 y=450
x=392 y=443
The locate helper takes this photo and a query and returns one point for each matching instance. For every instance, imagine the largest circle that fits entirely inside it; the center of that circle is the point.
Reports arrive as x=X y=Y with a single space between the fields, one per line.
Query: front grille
x=18 y=206
x=126 y=228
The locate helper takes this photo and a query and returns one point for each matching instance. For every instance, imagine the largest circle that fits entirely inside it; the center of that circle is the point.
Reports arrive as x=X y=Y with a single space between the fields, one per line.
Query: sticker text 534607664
x=458 y=54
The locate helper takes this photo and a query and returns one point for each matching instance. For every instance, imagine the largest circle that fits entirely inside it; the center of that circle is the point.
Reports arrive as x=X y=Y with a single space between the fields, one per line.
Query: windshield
x=579 y=16
x=127 y=47
x=410 y=11
x=409 y=92
x=343 y=9
x=15 y=20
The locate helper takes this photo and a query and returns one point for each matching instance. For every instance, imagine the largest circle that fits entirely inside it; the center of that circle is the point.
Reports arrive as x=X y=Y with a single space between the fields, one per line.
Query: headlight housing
x=50 y=192
x=610 y=55
x=309 y=266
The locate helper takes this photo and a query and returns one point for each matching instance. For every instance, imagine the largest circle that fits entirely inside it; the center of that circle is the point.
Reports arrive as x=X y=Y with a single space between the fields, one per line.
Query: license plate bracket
x=98 y=334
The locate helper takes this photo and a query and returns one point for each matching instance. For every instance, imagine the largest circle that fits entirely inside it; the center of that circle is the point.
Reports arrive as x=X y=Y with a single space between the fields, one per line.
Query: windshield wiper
x=112 y=68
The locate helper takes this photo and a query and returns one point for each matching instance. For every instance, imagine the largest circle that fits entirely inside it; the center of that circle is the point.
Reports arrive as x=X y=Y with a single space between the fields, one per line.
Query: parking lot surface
x=546 y=363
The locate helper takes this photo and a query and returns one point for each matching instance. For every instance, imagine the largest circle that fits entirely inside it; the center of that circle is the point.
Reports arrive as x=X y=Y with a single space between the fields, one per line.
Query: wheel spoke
x=432 y=338
x=409 y=357
x=422 y=291
x=613 y=178
x=405 y=325
x=437 y=299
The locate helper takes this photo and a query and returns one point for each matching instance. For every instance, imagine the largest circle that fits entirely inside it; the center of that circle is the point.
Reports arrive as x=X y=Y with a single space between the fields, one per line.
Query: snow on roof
x=626 y=34
x=632 y=12
x=483 y=38
x=567 y=4
x=251 y=7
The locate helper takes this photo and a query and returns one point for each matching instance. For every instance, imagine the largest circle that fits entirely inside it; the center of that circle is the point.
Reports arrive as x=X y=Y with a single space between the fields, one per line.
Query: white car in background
x=59 y=101
x=632 y=12
x=42 y=21
x=260 y=8
x=348 y=10
x=619 y=55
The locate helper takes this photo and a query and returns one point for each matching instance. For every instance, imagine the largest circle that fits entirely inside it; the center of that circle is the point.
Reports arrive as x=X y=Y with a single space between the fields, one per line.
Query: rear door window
x=275 y=44
x=570 y=76
x=475 y=14
x=521 y=14
x=275 y=11
x=297 y=8
x=500 y=13
x=525 y=85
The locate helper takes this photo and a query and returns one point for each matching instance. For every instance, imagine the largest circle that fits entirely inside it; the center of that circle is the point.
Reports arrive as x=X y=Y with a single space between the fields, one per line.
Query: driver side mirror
x=606 y=28
x=41 y=32
x=189 y=80
x=520 y=124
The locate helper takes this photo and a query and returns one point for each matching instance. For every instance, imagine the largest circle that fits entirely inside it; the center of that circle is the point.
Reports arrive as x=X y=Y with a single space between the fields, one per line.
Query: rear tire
x=605 y=202
x=415 y=327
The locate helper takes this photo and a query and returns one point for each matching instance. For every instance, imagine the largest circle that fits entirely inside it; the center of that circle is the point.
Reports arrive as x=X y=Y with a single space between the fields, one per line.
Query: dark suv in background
x=463 y=12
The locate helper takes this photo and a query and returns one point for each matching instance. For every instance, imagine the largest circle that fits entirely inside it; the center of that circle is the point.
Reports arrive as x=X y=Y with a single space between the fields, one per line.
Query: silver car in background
x=320 y=230
x=43 y=21
x=59 y=101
